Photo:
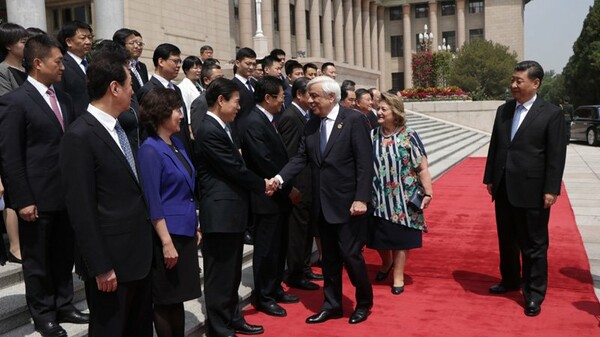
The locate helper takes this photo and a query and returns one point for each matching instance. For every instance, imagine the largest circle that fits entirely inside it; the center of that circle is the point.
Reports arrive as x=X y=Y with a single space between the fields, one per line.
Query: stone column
x=358 y=37
x=315 y=31
x=366 y=33
x=108 y=17
x=267 y=24
x=261 y=45
x=327 y=31
x=338 y=30
x=381 y=36
x=375 y=50
x=301 y=29
x=433 y=24
x=460 y=18
x=407 y=46
x=245 y=9
x=348 y=32
x=28 y=13
x=285 y=30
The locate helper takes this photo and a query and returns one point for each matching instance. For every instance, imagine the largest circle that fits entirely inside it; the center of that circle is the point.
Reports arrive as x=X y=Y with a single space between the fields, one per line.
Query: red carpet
x=448 y=279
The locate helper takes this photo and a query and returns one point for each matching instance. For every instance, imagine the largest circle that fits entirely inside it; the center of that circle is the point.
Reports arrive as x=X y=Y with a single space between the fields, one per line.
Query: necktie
x=54 y=106
x=249 y=85
x=84 y=63
x=323 y=135
x=126 y=148
x=516 y=121
x=171 y=86
x=228 y=131
x=307 y=116
x=134 y=69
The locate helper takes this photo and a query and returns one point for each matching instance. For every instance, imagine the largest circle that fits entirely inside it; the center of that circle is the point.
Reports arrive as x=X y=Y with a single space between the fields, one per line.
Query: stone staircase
x=446 y=145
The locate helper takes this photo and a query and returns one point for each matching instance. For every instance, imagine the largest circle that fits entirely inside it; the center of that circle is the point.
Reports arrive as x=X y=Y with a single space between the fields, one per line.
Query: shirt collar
x=39 y=86
x=527 y=105
x=334 y=112
x=241 y=78
x=162 y=80
x=75 y=57
x=304 y=112
x=264 y=111
x=208 y=113
x=105 y=119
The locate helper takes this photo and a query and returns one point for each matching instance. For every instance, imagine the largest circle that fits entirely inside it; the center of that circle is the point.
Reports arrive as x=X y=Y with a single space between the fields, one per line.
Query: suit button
x=192 y=200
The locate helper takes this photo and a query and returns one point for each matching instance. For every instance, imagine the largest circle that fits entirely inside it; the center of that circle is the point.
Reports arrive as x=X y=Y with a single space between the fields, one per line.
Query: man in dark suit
x=132 y=40
x=245 y=62
x=107 y=207
x=209 y=73
x=301 y=229
x=338 y=147
x=224 y=182
x=32 y=122
x=265 y=155
x=76 y=38
x=523 y=174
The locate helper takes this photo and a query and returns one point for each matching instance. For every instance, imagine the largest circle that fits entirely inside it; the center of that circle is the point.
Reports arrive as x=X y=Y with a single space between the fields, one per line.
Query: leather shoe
x=288 y=298
x=303 y=284
x=532 y=308
x=381 y=275
x=76 y=317
x=249 y=329
x=397 y=290
x=12 y=258
x=359 y=315
x=248 y=239
x=50 y=329
x=272 y=309
x=313 y=276
x=499 y=288
x=323 y=316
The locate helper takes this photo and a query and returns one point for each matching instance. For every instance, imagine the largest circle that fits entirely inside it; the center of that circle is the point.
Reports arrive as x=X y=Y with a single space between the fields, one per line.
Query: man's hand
x=549 y=199
x=170 y=255
x=358 y=208
x=490 y=188
x=271 y=186
x=107 y=282
x=295 y=196
x=198 y=236
x=29 y=213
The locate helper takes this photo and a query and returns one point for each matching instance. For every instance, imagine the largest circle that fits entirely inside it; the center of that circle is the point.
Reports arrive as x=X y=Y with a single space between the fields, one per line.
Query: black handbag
x=416 y=200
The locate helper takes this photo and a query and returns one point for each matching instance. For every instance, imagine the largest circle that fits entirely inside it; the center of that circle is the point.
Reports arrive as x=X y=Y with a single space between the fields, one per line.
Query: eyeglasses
x=136 y=43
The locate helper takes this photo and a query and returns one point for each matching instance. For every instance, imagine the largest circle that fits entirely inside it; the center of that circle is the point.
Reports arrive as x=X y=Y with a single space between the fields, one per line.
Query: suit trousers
x=300 y=242
x=268 y=261
x=222 y=257
x=126 y=312
x=47 y=247
x=522 y=234
x=342 y=247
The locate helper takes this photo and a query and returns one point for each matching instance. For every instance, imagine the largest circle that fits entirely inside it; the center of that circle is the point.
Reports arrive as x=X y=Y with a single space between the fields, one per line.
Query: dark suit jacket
x=291 y=128
x=74 y=83
x=143 y=71
x=343 y=173
x=105 y=203
x=198 y=110
x=247 y=103
x=265 y=155
x=372 y=120
x=224 y=181
x=533 y=162
x=30 y=135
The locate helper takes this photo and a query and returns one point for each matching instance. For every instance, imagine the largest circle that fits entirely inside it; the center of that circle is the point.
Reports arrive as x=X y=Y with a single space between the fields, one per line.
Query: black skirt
x=384 y=234
x=182 y=282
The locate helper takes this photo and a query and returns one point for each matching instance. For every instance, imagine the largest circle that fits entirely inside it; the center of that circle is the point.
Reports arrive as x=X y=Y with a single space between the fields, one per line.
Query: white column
x=245 y=9
x=338 y=30
x=301 y=28
x=285 y=32
x=407 y=46
x=327 y=31
x=375 y=50
x=27 y=13
x=358 y=38
x=348 y=32
x=460 y=18
x=267 y=20
x=108 y=17
x=261 y=45
x=366 y=33
x=381 y=36
x=433 y=24
x=315 y=31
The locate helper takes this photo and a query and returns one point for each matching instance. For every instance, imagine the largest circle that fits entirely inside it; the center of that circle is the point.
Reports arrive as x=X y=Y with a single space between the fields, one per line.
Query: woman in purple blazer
x=167 y=176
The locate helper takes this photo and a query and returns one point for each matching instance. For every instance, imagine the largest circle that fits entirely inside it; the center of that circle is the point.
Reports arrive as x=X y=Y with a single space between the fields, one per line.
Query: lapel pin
x=340 y=125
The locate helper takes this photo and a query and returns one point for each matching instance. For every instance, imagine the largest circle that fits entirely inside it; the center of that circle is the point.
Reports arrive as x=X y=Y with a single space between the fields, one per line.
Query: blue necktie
x=323 y=135
x=84 y=63
x=516 y=119
x=126 y=148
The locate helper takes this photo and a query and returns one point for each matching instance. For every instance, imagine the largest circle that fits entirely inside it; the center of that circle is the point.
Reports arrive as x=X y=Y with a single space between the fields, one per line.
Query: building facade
x=371 y=42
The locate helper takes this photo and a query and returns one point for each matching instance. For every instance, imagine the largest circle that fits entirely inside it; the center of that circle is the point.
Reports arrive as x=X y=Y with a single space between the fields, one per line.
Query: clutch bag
x=416 y=200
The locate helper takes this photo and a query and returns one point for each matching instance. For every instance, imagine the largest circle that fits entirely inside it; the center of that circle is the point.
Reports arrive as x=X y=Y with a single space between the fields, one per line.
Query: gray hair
x=329 y=86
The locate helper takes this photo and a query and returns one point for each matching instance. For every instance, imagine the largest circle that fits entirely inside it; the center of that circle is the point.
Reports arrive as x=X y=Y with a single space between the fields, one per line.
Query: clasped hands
x=271 y=186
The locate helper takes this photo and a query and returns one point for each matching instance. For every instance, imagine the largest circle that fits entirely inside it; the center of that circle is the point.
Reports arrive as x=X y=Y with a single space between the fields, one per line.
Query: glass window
x=475 y=6
x=448 y=8
x=276 y=15
x=293 y=19
x=450 y=39
x=80 y=13
x=397 y=45
x=583 y=113
x=475 y=34
x=421 y=10
x=398 y=81
x=307 y=15
x=395 y=13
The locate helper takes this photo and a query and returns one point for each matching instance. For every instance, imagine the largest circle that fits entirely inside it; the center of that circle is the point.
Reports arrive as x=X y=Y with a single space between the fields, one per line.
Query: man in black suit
x=76 y=38
x=32 y=122
x=301 y=229
x=338 y=147
x=245 y=62
x=107 y=207
x=224 y=183
x=132 y=40
x=210 y=72
x=265 y=155
x=523 y=174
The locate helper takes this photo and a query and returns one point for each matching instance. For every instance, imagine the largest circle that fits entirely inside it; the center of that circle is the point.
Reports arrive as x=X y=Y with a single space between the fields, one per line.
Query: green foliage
x=553 y=87
x=422 y=69
x=441 y=67
x=483 y=68
x=582 y=72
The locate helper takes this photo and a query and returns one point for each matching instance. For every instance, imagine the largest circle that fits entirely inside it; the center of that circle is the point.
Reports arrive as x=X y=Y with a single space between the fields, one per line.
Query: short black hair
x=300 y=84
x=205 y=48
x=190 y=62
x=268 y=62
x=347 y=85
x=38 y=47
x=220 y=87
x=310 y=65
x=108 y=64
x=207 y=70
x=276 y=52
x=211 y=60
x=164 y=51
x=290 y=66
x=35 y=31
x=10 y=33
x=360 y=92
x=325 y=65
x=121 y=35
x=69 y=30
x=268 y=85
x=534 y=69
x=156 y=107
x=245 y=53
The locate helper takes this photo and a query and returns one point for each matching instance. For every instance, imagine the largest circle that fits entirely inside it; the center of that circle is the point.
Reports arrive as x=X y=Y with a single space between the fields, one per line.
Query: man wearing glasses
x=132 y=40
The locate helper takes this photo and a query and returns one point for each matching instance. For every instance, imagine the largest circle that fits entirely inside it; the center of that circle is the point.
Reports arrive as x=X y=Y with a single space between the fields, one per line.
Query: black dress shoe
x=272 y=309
x=14 y=259
x=313 y=276
x=532 y=308
x=288 y=298
x=381 y=275
x=248 y=238
x=323 y=316
x=249 y=329
x=501 y=289
x=397 y=290
x=359 y=315
x=303 y=284
x=76 y=317
x=50 y=329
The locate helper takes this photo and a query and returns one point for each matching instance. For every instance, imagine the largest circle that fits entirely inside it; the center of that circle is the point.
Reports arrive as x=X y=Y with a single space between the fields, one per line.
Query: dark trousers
x=222 y=257
x=268 y=261
x=123 y=313
x=342 y=245
x=300 y=239
x=523 y=234
x=47 y=247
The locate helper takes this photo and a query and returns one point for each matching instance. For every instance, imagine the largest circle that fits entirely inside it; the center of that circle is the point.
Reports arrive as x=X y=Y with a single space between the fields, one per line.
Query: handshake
x=271 y=186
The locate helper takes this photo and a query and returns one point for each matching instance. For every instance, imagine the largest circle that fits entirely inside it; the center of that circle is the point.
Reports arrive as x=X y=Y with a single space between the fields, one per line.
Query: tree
x=422 y=70
x=483 y=68
x=582 y=72
x=553 y=87
x=441 y=67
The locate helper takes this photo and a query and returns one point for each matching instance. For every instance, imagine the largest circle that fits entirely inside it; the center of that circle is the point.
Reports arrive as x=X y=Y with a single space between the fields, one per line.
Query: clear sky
x=551 y=28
